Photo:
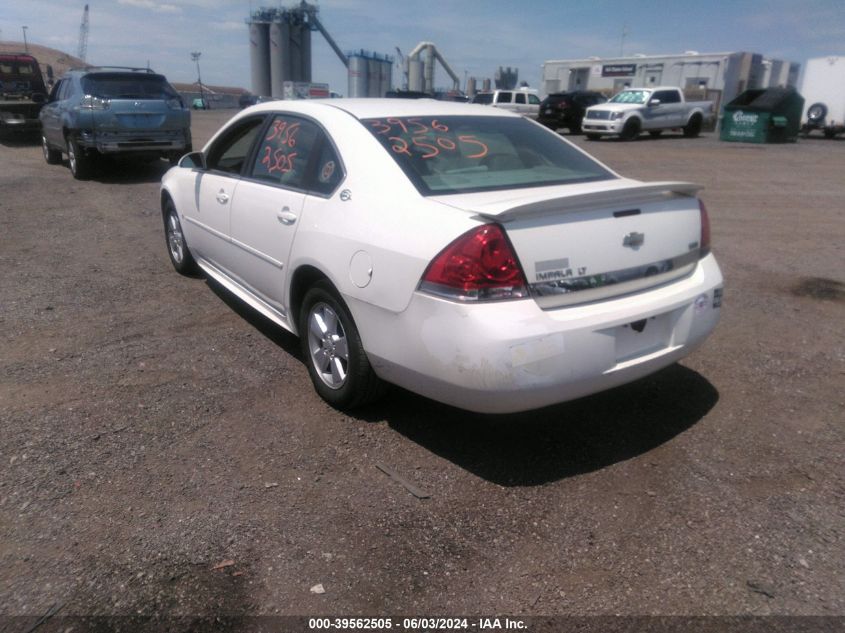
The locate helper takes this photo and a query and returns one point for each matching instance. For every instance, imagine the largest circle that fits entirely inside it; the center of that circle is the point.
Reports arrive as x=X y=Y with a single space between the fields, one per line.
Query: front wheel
x=177 y=247
x=630 y=130
x=333 y=351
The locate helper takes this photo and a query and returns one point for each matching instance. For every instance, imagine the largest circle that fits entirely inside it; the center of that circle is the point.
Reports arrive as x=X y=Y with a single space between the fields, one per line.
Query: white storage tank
x=259 y=57
x=358 y=69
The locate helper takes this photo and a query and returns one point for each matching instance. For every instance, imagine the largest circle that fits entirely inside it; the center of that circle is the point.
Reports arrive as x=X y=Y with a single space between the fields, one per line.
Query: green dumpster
x=772 y=115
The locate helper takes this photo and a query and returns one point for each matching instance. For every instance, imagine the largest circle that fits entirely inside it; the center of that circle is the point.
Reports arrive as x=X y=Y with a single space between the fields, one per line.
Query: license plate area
x=643 y=337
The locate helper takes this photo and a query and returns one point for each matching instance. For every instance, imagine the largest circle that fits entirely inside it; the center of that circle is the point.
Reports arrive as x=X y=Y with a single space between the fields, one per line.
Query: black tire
x=326 y=331
x=79 y=162
x=575 y=128
x=829 y=133
x=693 y=126
x=630 y=130
x=177 y=247
x=593 y=137
x=51 y=156
x=816 y=113
x=655 y=133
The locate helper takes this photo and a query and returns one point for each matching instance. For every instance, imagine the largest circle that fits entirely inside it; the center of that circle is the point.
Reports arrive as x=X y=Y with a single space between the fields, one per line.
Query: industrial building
x=716 y=76
x=280 y=56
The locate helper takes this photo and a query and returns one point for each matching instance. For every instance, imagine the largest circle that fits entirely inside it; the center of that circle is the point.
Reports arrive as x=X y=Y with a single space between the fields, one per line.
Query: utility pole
x=82 y=51
x=622 y=42
x=196 y=57
x=25 y=45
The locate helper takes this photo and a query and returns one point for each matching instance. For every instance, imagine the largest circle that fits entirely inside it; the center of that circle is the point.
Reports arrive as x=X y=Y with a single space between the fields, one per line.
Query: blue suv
x=113 y=111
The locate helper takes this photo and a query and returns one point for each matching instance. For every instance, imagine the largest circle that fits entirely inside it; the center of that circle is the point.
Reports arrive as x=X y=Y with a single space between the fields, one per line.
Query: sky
x=474 y=36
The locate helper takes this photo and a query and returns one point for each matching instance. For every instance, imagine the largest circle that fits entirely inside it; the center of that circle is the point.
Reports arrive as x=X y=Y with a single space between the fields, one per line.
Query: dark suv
x=113 y=111
x=566 y=109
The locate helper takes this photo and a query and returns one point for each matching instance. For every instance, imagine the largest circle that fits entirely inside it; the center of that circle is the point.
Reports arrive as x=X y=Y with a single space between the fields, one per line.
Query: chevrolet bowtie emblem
x=634 y=239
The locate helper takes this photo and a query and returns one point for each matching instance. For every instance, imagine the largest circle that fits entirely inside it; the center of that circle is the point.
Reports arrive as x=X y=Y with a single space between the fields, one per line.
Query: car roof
x=378 y=108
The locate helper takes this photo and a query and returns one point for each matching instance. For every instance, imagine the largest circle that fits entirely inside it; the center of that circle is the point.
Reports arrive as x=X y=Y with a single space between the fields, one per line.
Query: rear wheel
x=693 y=127
x=575 y=128
x=80 y=164
x=52 y=156
x=333 y=352
x=630 y=130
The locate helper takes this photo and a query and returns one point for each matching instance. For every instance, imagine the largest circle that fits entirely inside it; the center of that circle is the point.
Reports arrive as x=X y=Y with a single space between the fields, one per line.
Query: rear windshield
x=460 y=154
x=127 y=86
x=484 y=98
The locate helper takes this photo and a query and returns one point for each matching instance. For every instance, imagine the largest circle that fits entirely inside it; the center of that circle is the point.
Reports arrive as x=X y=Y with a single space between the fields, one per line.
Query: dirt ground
x=163 y=452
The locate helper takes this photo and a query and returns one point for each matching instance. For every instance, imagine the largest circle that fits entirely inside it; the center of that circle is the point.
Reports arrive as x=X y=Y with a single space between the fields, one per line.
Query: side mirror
x=654 y=102
x=194 y=160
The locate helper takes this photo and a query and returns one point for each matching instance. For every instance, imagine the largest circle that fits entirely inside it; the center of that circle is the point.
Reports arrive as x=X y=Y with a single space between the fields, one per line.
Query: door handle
x=286 y=217
x=222 y=197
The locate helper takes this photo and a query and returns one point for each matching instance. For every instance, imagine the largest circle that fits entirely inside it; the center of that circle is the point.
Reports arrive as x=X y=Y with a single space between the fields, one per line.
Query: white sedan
x=464 y=253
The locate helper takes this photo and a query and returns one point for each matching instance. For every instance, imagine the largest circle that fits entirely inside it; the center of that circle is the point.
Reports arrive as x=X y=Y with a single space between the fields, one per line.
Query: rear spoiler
x=628 y=194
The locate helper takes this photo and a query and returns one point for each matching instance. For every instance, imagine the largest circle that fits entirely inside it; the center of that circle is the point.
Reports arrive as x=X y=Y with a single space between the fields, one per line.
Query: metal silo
x=305 y=39
x=385 y=77
x=373 y=74
x=279 y=53
x=357 y=76
x=259 y=57
x=294 y=51
x=471 y=87
x=485 y=85
x=415 y=75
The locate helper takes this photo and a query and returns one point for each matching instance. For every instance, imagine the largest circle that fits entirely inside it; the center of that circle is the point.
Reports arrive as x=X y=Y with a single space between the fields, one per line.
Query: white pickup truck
x=652 y=110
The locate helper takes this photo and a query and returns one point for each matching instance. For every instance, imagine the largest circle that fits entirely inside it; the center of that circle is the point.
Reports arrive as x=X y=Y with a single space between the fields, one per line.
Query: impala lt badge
x=634 y=239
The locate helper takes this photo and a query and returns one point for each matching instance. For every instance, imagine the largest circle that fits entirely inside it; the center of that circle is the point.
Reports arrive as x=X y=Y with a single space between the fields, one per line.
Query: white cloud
x=152 y=5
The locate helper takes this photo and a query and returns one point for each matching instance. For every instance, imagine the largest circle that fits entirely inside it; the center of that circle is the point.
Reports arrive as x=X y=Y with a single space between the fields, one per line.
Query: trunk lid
x=140 y=114
x=595 y=241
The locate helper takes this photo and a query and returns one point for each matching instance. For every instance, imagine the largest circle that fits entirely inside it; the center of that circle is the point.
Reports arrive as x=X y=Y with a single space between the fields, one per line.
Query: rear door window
x=504 y=97
x=285 y=151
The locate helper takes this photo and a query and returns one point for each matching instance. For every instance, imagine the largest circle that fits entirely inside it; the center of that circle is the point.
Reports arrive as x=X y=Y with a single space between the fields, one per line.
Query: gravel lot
x=163 y=451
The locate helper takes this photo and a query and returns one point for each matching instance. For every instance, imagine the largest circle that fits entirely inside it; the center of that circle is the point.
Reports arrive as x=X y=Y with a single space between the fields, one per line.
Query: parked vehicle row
x=629 y=113
x=459 y=251
x=113 y=111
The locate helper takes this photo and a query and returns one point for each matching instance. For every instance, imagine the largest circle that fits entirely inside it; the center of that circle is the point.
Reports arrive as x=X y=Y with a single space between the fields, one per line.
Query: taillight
x=562 y=105
x=478 y=266
x=704 y=242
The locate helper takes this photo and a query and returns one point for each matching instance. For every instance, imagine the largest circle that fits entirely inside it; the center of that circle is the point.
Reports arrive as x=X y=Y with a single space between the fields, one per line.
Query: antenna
x=82 y=51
